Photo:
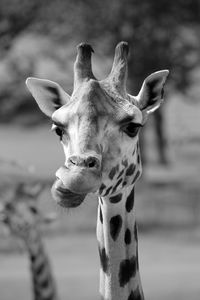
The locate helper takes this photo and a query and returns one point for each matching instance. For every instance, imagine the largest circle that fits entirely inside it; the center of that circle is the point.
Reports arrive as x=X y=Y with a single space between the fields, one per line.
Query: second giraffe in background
x=21 y=215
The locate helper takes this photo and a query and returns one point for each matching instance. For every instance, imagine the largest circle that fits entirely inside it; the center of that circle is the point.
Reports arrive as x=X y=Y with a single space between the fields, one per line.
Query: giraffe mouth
x=64 y=197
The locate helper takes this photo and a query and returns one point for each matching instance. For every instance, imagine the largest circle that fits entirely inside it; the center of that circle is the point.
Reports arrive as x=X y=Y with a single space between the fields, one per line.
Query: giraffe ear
x=48 y=94
x=151 y=94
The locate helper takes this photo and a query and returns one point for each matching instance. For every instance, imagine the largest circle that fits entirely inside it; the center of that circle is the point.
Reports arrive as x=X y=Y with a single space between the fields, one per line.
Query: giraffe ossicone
x=98 y=126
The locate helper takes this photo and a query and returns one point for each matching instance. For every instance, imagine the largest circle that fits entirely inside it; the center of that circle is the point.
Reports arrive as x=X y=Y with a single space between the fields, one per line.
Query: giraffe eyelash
x=58 y=130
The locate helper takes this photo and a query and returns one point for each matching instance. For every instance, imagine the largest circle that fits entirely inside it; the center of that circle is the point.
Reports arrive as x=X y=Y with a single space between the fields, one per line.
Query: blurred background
x=39 y=38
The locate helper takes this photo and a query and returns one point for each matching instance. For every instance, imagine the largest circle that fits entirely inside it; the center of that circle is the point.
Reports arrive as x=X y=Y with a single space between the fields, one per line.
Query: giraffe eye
x=58 y=131
x=131 y=129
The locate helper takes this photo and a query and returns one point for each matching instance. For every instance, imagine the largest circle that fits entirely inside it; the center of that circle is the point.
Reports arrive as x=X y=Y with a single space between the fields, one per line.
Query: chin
x=66 y=198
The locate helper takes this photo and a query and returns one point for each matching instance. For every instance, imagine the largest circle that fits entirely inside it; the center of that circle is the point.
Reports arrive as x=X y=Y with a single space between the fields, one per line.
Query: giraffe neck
x=118 y=247
x=43 y=284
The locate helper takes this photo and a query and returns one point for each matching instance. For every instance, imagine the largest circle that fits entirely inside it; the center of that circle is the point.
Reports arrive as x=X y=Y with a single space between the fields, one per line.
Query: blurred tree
x=15 y=17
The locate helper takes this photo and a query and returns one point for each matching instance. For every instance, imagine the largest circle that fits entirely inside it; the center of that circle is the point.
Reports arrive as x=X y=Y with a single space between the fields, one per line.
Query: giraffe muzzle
x=64 y=197
x=72 y=185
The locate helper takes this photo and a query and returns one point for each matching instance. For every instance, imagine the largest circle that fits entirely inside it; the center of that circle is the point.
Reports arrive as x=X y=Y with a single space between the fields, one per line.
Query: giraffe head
x=97 y=125
x=20 y=212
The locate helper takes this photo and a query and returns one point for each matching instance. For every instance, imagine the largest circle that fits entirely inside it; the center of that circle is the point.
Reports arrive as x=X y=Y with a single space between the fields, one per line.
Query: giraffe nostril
x=87 y=162
x=72 y=161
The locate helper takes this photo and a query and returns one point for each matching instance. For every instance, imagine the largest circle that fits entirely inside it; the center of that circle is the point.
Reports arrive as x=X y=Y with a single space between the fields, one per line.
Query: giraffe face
x=20 y=217
x=98 y=126
x=100 y=142
x=20 y=213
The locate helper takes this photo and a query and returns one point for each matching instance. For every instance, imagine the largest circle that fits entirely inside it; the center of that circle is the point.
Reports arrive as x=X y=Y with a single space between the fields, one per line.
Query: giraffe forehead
x=93 y=101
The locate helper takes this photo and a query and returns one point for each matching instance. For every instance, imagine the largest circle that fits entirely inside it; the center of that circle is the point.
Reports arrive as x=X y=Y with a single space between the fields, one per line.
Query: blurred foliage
x=38 y=39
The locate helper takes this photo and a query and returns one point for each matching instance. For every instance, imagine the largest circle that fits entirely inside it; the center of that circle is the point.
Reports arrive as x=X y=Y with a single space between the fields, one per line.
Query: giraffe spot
x=138 y=158
x=127 y=270
x=115 y=226
x=104 y=260
x=124 y=183
x=134 y=151
x=125 y=163
x=136 y=239
x=116 y=199
x=45 y=282
x=33 y=258
x=136 y=232
x=108 y=190
x=131 y=296
x=102 y=187
x=113 y=172
x=120 y=174
x=130 y=201
x=136 y=177
x=39 y=269
x=130 y=170
x=36 y=289
x=100 y=215
x=127 y=236
x=136 y=295
x=117 y=184
x=137 y=258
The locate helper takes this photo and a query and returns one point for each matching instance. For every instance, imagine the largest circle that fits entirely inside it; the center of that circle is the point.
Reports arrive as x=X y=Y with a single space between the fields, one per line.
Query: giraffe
x=98 y=126
x=21 y=216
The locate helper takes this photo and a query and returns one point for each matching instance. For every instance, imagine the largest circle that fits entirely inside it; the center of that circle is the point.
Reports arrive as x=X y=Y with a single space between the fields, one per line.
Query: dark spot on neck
x=33 y=258
x=104 y=260
x=135 y=232
x=120 y=174
x=102 y=187
x=100 y=215
x=127 y=270
x=127 y=237
x=108 y=190
x=45 y=282
x=113 y=172
x=136 y=176
x=116 y=186
x=116 y=199
x=130 y=170
x=39 y=269
x=130 y=201
x=124 y=183
x=136 y=295
x=136 y=239
x=125 y=163
x=115 y=226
